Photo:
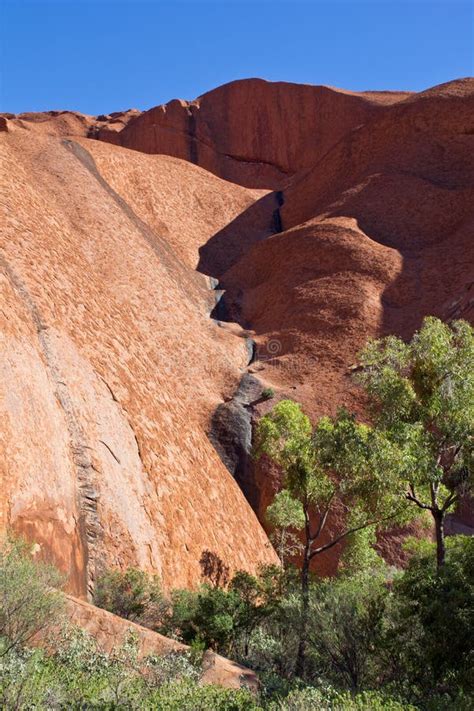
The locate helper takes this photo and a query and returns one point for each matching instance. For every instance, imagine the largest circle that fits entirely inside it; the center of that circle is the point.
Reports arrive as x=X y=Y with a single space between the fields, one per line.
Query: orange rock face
x=378 y=234
x=111 y=366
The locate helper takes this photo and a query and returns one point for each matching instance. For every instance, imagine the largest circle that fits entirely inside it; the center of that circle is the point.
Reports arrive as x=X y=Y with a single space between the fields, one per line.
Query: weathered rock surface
x=252 y=132
x=70 y=123
x=231 y=432
x=111 y=366
x=376 y=236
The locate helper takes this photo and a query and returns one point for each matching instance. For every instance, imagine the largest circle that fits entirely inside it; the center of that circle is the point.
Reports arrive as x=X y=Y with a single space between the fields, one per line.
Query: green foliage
x=187 y=696
x=340 y=461
x=365 y=460
x=285 y=436
x=285 y=512
x=219 y=619
x=285 y=515
x=29 y=602
x=360 y=556
x=133 y=595
x=422 y=398
x=369 y=644
x=268 y=393
x=346 y=622
x=431 y=628
x=273 y=643
x=81 y=676
x=327 y=698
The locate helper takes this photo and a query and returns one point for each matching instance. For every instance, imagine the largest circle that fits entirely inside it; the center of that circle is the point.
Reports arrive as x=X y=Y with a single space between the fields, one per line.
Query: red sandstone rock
x=111 y=366
x=110 y=631
x=253 y=132
x=377 y=235
x=72 y=123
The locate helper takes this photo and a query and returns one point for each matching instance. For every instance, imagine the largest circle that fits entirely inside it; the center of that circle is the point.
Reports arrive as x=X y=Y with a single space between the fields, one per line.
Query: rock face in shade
x=113 y=370
x=376 y=236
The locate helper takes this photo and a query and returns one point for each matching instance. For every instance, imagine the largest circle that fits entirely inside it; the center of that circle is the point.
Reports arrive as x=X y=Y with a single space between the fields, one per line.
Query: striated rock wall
x=111 y=368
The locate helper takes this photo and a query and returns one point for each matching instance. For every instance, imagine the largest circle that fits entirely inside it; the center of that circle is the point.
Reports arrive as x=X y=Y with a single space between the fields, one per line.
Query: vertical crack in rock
x=231 y=427
x=231 y=434
x=90 y=527
x=193 y=141
x=277 y=224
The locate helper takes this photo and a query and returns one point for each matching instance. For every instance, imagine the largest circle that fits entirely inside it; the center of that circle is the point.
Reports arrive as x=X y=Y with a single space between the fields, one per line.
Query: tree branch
x=323 y=518
x=339 y=538
x=452 y=498
x=411 y=496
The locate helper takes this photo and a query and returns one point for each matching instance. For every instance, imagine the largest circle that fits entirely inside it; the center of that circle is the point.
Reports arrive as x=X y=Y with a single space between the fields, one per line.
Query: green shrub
x=189 y=696
x=330 y=699
x=220 y=619
x=30 y=601
x=133 y=595
x=268 y=393
x=81 y=676
x=345 y=629
x=431 y=630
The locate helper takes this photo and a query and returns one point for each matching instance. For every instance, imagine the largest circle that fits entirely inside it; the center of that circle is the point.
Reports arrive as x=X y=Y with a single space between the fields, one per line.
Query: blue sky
x=98 y=56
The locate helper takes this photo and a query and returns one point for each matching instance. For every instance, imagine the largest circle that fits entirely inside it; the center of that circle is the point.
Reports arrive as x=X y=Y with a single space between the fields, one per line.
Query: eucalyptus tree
x=421 y=399
x=340 y=466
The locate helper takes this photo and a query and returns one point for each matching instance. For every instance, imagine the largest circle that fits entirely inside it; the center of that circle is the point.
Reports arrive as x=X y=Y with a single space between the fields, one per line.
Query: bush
x=329 y=699
x=345 y=634
x=81 y=676
x=268 y=393
x=133 y=595
x=211 y=616
x=431 y=630
x=221 y=619
x=189 y=696
x=29 y=600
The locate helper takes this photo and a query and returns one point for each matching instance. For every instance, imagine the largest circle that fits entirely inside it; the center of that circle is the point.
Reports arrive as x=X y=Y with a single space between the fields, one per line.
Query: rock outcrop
x=111 y=631
x=112 y=369
x=378 y=234
x=252 y=132
x=110 y=364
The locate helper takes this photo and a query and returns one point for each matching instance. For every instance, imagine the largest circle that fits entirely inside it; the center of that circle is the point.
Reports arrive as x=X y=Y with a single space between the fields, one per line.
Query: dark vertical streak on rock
x=277 y=221
x=193 y=141
x=231 y=435
x=89 y=523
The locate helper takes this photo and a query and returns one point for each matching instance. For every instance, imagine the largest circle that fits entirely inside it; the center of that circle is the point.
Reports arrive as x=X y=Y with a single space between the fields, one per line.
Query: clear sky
x=98 y=56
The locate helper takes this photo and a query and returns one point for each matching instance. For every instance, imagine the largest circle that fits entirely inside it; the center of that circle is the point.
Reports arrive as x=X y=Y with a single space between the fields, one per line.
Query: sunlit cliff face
x=316 y=218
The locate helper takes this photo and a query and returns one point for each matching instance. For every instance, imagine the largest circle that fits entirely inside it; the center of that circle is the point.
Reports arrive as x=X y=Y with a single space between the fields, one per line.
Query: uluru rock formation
x=323 y=217
x=111 y=365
